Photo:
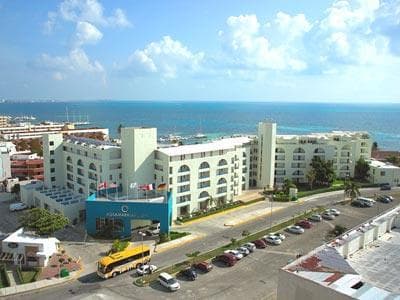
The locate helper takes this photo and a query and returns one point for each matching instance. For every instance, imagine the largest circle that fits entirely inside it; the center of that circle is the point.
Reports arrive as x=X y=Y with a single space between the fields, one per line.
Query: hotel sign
x=124 y=212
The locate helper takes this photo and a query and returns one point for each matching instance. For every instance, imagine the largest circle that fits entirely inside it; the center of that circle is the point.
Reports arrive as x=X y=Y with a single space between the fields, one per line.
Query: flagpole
x=127 y=188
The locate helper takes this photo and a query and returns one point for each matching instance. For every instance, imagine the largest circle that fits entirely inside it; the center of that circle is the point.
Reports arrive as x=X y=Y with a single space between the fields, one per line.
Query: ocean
x=215 y=119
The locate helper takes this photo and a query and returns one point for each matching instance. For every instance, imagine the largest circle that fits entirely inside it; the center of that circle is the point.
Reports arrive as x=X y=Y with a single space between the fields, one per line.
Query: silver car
x=243 y=250
x=250 y=246
x=328 y=216
x=295 y=229
x=315 y=218
x=272 y=239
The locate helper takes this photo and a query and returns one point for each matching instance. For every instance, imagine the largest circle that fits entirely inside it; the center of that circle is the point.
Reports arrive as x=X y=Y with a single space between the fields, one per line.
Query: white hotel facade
x=221 y=169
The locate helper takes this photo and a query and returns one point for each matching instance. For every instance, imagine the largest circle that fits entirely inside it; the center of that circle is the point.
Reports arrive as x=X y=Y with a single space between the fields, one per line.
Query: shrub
x=164 y=237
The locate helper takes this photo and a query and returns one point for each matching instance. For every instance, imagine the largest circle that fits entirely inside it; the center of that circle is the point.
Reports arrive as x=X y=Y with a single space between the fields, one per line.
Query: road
x=235 y=284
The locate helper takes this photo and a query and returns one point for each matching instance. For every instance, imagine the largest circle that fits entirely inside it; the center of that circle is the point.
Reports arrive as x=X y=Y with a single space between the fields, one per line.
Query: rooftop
x=20 y=236
x=221 y=144
x=135 y=196
x=325 y=135
x=91 y=142
x=381 y=164
x=61 y=195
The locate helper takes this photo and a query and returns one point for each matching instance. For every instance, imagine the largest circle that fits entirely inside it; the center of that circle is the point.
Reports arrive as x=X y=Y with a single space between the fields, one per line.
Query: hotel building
x=192 y=174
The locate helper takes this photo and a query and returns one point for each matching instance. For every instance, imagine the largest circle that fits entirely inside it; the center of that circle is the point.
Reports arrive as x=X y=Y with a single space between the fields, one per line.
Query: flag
x=133 y=185
x=162 y=187
x=146 y=187
x=102 y=186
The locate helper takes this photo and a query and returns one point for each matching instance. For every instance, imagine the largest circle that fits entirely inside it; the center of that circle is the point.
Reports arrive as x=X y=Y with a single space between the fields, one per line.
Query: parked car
x=358 y=203
x=280 y=235
x=272 y=239
x=204 y=266
x=189 y=273
x=18 y=206
x=385 y=187
x=304 y=223
x=154 y=229
x=146 y=269
x=243 y=250
x=169 y=282
x=389 y=197
x=383 y=199
x=260 y=244
x=327 y=215
x=315 y=218
x=227 y=258
x=236 y=253
x=333 y=211
x=366 y=201
x=250 y=246
x=295 y=229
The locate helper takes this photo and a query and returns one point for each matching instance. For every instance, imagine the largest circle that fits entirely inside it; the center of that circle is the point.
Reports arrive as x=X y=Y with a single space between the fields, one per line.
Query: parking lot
x=8 y=220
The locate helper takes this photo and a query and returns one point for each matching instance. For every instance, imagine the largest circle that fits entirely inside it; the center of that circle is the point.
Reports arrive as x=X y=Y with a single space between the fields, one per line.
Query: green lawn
x=27 y=276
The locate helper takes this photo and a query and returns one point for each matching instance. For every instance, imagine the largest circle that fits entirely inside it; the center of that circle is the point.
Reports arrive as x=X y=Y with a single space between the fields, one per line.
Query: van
x=169 y=282
x=366 y=201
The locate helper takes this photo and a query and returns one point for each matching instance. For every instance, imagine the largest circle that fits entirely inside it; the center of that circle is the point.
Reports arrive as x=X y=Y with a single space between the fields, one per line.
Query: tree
x=324 y=172
x=36 y=147
x=351 y=189
x=16 y=189
x=42 y=221
x=287 y=184
x=119 y=246
x=311 y=175
x=375 y=146
x=361 y=170
x=393 y=159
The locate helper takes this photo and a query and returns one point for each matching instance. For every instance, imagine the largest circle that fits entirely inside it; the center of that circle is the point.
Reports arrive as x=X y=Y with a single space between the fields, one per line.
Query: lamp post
x=142 y=234
x=271 y=199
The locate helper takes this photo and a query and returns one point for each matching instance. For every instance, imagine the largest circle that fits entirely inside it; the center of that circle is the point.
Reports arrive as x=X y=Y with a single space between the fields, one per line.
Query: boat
x=200 y=136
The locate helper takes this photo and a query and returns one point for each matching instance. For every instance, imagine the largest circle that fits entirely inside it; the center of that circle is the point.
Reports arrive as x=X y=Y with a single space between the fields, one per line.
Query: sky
x=225 y=50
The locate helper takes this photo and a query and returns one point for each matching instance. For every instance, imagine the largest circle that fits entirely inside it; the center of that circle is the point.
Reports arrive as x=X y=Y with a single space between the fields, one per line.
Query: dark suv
x=189 y=273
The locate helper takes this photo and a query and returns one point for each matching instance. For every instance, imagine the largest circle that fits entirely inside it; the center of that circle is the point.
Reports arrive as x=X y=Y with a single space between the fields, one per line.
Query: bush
x=5 y=281
x=164 y=237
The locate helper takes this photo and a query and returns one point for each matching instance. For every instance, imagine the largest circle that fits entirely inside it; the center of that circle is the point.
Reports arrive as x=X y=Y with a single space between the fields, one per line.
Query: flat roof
x=90 y=142
x=221 y=144
x=20 y=237
x=381 y=164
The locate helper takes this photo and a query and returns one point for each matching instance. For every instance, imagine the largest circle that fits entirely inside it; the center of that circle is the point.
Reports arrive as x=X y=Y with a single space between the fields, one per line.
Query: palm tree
x=351 y=189
x=311 y=176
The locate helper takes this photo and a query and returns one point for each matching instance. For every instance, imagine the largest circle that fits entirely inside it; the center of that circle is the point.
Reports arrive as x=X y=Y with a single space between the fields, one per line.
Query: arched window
x=92 y=166
x=299 y=150
x=80 y=191
x=280 y=150
x=79 y=162
x=222 y=162
x=69 y=159
x=184 y=168
x=204 y=165
x=319 y=150
x=222 y=181
x=204 y=194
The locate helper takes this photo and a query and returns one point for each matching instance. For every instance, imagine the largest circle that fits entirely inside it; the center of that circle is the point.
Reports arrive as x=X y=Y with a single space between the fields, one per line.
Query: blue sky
x=201 y=50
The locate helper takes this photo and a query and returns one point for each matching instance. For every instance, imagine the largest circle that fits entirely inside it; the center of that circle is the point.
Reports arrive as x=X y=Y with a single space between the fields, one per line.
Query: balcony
x=279 y=157
x=299 y=157
x=345 y=154
x=222 y=190
x=298 y=165
x=279 y=165
x=222 y=171
x=280 y=173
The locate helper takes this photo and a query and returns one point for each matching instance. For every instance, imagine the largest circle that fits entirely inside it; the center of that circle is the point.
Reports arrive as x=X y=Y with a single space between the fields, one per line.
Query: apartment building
x=27 y=165
x=294 y=153
x=4 y=121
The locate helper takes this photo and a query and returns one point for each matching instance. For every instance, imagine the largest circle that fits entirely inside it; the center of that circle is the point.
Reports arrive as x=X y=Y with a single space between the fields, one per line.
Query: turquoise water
x=225 y=118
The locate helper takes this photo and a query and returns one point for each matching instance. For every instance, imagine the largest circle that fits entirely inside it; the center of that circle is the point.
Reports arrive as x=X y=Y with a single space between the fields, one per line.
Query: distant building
x=33 y=131
x=360 y=264
x=382 y=155
x=27 y=249
x=6 y=149
x=27 y=165
x=4 y=121
x=381 y=172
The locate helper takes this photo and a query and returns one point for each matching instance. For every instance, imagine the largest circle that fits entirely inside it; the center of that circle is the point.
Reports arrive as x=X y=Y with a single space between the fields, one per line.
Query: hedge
x=5 y=281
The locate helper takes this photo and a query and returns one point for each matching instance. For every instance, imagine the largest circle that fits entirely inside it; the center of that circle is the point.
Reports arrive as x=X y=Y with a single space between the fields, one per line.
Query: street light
x=271 y=199
x=142 y=234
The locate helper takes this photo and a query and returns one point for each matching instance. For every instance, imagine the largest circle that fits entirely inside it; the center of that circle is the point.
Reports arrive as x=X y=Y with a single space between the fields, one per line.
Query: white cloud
x=87 y=33
x=91 y=11
x=76 y=62
x=166 y=57
x=249 y=46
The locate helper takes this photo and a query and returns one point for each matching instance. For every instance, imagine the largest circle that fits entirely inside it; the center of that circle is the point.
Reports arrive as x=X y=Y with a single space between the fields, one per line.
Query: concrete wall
x=266 y=154
x=381 y=175
x=291 y=286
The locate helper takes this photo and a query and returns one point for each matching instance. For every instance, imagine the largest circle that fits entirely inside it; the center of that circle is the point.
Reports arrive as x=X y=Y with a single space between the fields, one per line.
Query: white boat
x=200 y=136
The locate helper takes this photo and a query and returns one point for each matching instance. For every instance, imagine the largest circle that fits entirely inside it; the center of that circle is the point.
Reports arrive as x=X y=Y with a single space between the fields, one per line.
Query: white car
x=280 y=235
x=295 y=229
x=169 y=282
x=272 y=239
x=146 y=269
x=235 y=253
x=250 y=246
x=243 y=250
x=18 y=206
x=333 y=211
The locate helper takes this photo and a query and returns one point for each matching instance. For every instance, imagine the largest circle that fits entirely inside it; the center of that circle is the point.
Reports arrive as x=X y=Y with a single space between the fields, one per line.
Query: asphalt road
x=254 y=277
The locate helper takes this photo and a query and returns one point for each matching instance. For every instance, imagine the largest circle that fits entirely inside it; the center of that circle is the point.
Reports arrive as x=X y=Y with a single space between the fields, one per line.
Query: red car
x=260 y=244
x=204 y=266
x=305 y=224
x=228 y=259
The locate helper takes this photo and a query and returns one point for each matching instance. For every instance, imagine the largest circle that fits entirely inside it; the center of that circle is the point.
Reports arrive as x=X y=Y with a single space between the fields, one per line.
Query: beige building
x=381 y=172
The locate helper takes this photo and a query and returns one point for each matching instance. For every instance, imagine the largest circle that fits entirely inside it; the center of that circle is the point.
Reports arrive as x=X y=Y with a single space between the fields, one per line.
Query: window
x=383 y=173
x=64 y=148
x=170 y=170
x=52 y=161
x=52 y=170
x=203 y=154
x=222 y=181
x=111 y=177
x=223 y=162
x=182 y=199
x=184 y=188
x=155 y=176
x=184 y=168
x=204 y=195
x=51 y=152
x=204 y=165
x=53 y=179
x=204 y=184
x=51 y=143
x=170 y=180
